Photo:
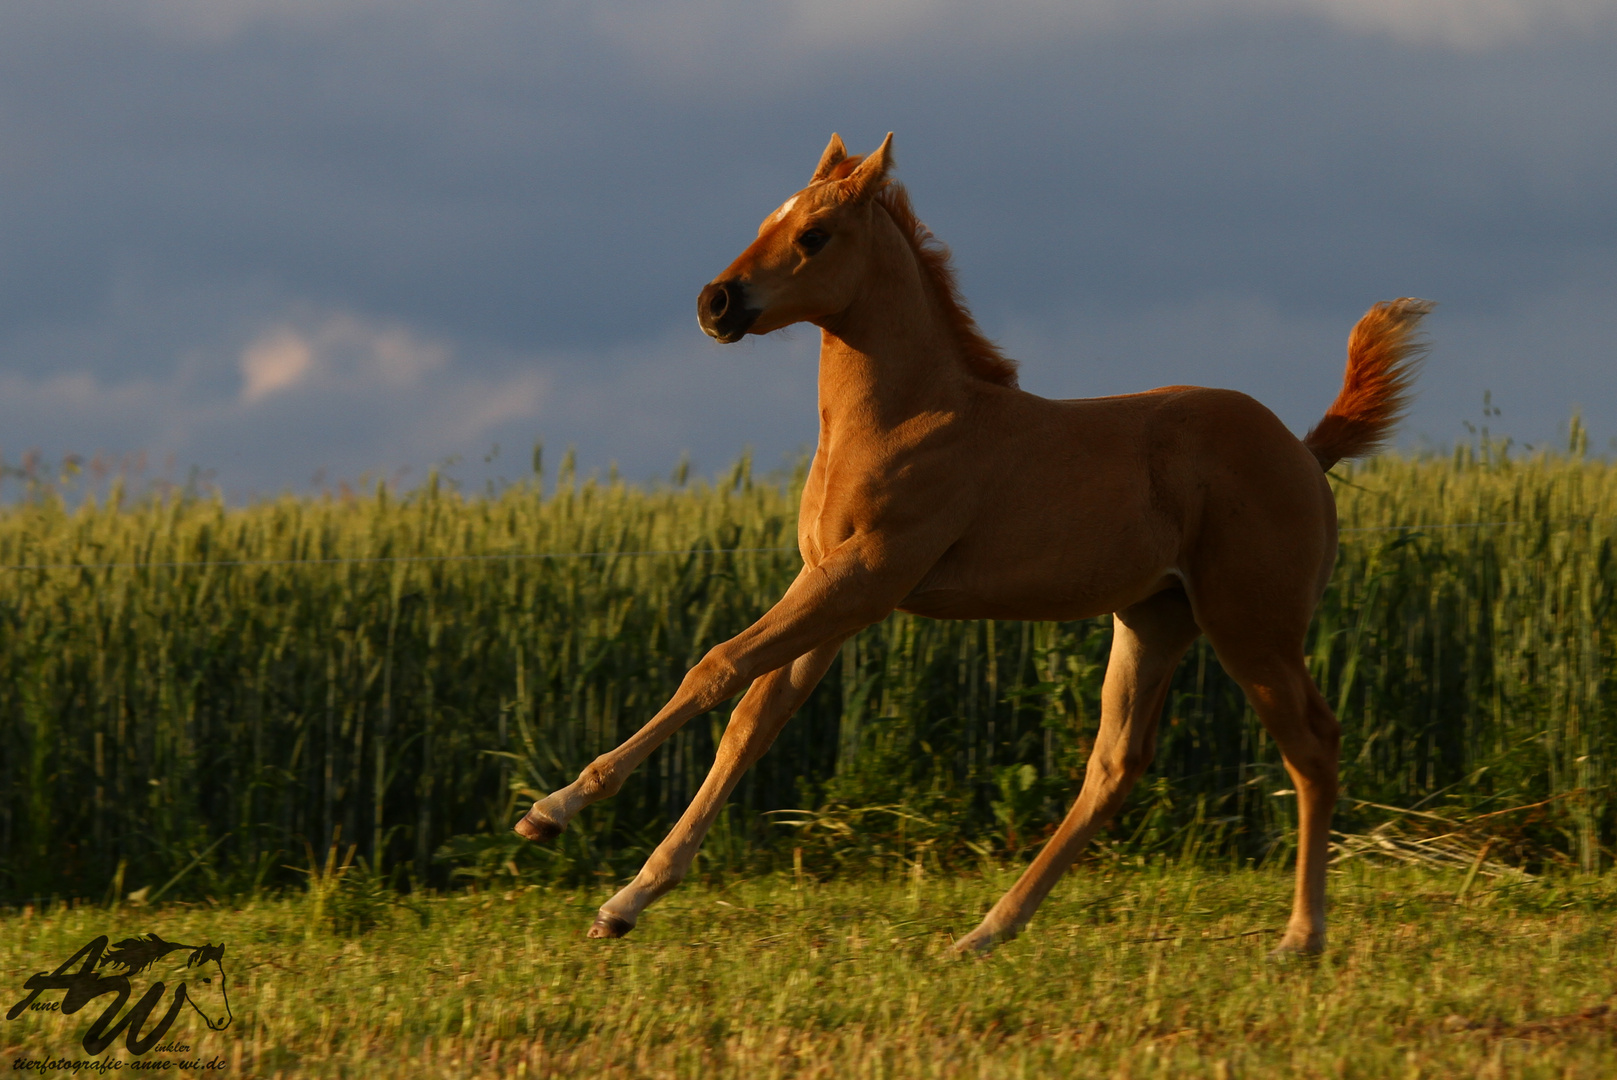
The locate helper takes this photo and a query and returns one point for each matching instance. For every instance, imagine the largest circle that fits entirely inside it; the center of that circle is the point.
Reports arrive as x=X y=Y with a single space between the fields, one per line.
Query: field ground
x=1152 y=971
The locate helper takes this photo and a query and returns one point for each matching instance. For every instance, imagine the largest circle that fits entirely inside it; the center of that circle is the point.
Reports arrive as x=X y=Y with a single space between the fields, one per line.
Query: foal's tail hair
x=1384 y=354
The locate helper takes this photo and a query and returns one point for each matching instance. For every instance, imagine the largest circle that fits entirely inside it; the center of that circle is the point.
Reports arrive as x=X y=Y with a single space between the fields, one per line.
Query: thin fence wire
x=535 y=555
x=1475 y=524
x=360 y=559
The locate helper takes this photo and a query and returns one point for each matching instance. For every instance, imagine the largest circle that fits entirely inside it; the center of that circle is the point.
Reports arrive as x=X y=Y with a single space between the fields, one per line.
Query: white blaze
x=785 y=208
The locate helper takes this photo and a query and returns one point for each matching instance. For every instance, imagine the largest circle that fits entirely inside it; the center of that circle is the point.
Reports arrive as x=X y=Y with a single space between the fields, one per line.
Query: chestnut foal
x=940 y=488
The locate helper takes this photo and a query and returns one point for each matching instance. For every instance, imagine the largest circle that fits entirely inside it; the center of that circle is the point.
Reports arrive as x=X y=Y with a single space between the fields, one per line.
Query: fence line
x=1476 y=524
x=528 y=555
x=391 y=559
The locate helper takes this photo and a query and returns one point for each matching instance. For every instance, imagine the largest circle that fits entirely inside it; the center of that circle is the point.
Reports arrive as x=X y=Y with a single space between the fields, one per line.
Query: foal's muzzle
x=723 y=313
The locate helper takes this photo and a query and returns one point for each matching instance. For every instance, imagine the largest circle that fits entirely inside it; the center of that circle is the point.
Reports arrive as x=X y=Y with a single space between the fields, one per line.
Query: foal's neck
x=891 y=355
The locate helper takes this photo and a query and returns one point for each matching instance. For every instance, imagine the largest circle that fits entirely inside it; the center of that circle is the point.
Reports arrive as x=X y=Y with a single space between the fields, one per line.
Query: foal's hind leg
x=1294 y=712
x=759 y=717
x=1147 y=641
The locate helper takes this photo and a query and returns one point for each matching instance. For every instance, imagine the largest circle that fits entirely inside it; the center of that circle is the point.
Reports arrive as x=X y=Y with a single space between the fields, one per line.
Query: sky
x=281 y=245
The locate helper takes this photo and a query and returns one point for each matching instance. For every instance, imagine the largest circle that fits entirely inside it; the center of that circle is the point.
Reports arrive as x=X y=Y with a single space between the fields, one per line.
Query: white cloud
x=792 y=34
x=342 y=350
x=481 y=406
x=339 y=394
x=213 y=22
x=685 y=34
x=276 y=362
x=77 y=393
x=645 y=403
x=1461 y=24
x=400 y=357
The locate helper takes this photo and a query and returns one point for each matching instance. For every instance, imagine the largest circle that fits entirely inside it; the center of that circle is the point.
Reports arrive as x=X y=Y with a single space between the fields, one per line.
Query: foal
x=940 y=488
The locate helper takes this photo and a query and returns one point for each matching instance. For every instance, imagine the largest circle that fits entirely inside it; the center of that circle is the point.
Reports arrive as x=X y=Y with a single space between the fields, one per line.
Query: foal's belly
x=1058 y=586
x=961 y=604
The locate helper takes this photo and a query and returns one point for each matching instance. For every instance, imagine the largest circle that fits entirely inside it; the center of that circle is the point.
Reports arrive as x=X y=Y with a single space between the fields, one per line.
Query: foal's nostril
x=722 y=310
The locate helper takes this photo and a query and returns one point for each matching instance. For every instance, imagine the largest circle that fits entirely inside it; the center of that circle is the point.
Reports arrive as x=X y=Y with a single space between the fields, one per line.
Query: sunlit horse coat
x=940 y=488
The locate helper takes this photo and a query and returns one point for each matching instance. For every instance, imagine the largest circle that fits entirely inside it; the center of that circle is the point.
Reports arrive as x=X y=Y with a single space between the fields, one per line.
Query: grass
x=1127 y=971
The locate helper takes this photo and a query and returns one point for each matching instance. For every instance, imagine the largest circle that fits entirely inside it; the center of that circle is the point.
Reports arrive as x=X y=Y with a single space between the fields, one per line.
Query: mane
x=137 y=954
x=983 y=358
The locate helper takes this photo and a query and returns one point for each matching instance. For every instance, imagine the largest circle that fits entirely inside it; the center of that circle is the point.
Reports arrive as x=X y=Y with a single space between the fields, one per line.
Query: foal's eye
x=812 y=240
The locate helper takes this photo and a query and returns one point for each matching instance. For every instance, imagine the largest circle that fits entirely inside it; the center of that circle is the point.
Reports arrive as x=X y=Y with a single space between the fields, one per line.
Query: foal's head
x=808 y=259
x=812 y=256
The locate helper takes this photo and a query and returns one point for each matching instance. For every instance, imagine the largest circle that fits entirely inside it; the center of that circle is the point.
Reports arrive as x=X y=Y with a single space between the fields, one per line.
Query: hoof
x=609 y=926
x=975 y=945
x=537 y=829
x=1296 y=952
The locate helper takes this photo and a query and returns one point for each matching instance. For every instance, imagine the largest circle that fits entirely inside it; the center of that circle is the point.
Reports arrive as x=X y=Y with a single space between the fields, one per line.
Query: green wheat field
x=304 y=727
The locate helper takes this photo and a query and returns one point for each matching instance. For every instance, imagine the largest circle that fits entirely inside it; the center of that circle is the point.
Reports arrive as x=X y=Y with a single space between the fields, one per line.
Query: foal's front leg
x=710 y=682
x=827 y=602
x=757 y=720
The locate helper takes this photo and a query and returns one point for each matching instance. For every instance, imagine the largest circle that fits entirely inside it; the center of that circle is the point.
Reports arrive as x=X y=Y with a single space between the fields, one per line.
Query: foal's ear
x=834 y=153
x=871 y=175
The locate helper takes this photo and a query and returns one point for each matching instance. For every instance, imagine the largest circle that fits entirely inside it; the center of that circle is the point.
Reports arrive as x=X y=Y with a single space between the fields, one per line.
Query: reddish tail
x=1384 y=354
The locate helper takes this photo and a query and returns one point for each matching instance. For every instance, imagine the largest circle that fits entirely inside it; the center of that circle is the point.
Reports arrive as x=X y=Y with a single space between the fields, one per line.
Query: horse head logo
x=199 y=970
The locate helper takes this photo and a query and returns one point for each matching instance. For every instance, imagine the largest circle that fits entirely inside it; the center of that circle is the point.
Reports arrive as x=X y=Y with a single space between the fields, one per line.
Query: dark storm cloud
x=271 y=237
